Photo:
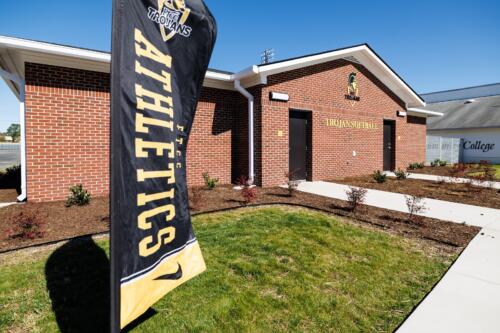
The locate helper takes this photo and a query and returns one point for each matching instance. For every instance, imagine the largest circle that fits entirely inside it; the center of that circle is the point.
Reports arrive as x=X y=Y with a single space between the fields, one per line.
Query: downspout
x=22 y=116
x=249 y=96
x=22 y=142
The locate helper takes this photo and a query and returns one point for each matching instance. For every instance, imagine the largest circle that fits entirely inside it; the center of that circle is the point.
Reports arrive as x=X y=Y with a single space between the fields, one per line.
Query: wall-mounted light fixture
x=275 y=96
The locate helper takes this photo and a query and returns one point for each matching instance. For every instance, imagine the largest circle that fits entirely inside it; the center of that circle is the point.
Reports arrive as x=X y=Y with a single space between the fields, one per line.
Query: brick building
x=338 y=113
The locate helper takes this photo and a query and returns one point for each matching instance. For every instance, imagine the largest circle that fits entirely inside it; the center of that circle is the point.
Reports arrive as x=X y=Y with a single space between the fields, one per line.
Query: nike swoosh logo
x=174 y=276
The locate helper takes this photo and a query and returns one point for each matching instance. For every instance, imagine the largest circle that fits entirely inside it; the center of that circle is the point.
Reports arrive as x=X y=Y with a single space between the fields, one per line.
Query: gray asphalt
x=9 y=158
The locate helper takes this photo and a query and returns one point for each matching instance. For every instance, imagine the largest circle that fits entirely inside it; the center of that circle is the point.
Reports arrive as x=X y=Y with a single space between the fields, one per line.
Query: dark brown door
x=389 y=148
x=298 y=145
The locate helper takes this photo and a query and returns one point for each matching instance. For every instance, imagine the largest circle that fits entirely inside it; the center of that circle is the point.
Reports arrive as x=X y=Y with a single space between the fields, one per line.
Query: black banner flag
x=160 y=54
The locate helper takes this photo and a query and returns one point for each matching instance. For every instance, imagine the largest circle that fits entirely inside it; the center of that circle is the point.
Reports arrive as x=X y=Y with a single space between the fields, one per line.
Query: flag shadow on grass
x=78 y=283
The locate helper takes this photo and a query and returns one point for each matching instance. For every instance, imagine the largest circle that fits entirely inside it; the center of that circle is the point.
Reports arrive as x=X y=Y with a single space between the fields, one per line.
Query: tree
x=14 y=131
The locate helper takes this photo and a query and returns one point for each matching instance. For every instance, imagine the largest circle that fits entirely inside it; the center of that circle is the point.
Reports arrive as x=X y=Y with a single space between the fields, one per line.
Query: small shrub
x=401 y=174
x=415 y=166
x=355 y=196
x=488 y=171
x=242 y=181
x=379 y=177
x=210 y=182
x=248 y=192
x=415 y=206
x=27 y=226
x=435 y=163
x=78 y=196
x=457 y=170
x=291 y=185
x=412 y=166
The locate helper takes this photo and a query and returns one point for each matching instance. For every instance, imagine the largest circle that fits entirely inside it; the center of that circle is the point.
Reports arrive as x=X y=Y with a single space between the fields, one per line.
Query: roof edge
x=312 y=54
x=74 y=52
x=425 y=113
x=252 y=75
x=459 y=89
x=369 y=53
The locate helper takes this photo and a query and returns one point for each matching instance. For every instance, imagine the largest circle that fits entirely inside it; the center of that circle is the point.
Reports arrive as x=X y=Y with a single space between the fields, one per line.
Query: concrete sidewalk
x=6 y=204
x=446 y=179
x=467 y=299
x=443 y=210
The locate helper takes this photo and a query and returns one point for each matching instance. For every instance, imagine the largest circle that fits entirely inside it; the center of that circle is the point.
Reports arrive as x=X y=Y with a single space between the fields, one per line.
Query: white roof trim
x=218 y=76
x=307 y=61
x=78 y=54
x=424 y=113
x=67 y=51
x=20 y=51
x=365 y=56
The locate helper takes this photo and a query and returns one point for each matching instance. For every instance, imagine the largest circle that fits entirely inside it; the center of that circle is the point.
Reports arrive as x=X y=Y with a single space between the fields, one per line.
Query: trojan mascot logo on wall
x=352 y=89
x=161 y=51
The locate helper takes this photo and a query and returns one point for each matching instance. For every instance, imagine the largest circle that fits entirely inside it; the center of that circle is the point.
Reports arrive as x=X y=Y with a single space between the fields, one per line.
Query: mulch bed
x=454 y=192
x=63 y=223
x=60 y=222
x=469 y=172
x=8 y=195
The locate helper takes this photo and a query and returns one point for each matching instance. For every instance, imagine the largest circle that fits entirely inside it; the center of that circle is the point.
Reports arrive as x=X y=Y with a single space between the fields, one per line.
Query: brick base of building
x=67 y=129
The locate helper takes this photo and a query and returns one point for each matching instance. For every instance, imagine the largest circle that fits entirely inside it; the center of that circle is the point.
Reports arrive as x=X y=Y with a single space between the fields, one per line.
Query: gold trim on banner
x=138 y=295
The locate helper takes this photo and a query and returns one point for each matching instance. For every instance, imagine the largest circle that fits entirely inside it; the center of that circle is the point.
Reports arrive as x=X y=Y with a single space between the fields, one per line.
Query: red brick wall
x=67 y=133
x=211 y=141
x=67 y=129
x=320 y=89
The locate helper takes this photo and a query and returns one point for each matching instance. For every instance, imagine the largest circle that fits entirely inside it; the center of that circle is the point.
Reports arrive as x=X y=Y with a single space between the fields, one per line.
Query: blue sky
x=434 y=45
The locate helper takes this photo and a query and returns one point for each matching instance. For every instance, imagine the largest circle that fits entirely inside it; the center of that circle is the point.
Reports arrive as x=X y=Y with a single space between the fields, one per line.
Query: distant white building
x=472 y=118
x=8 y=138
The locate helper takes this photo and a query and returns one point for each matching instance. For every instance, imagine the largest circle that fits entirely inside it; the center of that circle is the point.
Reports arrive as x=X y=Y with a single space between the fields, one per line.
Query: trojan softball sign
x=161 y=51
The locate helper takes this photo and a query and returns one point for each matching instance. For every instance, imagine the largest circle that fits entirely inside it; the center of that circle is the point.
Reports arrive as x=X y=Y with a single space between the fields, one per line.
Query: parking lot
x=9 y=155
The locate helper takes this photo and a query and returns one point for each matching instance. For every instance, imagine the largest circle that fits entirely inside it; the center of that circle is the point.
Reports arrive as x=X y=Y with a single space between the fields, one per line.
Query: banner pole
x=114 y=164
x=159 y=57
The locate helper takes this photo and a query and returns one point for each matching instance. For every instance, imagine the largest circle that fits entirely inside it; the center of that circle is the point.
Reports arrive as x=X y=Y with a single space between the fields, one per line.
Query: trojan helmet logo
x=352 y=88
x=172 y=16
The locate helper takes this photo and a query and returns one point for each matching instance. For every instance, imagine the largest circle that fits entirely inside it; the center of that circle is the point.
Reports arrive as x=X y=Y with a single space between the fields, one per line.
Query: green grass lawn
x=269 y=270
x=497 y=168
